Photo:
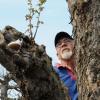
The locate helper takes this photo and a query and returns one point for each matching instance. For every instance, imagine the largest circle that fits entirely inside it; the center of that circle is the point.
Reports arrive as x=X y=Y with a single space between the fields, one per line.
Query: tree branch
x=31 y=66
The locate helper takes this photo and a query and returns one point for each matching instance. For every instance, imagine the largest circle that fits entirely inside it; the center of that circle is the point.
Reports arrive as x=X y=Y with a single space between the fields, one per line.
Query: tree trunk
x=86 y=25
x=31 y=67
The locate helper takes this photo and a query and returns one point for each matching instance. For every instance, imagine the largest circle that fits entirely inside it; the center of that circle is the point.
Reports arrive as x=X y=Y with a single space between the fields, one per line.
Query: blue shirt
x=69 y=80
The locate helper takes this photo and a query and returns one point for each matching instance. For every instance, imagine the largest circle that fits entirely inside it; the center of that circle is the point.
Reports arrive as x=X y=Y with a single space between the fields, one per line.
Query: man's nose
x=63 y=44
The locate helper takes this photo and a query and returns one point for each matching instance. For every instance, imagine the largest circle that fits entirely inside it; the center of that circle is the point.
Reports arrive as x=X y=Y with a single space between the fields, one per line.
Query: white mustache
x=66 y=49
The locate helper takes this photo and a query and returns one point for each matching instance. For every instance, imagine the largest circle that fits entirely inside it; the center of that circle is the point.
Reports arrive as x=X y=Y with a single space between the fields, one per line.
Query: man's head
x=64 y=45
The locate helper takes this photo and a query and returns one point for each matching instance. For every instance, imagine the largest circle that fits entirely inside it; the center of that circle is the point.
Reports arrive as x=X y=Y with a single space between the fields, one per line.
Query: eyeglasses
x=66 y=41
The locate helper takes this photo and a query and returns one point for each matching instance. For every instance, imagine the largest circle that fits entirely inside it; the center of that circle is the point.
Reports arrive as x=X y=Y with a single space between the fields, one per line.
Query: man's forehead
x=64 y=38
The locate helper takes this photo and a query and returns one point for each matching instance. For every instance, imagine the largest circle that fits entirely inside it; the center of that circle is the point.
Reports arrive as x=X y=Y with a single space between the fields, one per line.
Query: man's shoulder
x=59 y=68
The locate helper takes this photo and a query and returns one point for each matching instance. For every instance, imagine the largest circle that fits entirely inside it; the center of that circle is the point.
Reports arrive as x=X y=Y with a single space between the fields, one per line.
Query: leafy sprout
x=34 y=14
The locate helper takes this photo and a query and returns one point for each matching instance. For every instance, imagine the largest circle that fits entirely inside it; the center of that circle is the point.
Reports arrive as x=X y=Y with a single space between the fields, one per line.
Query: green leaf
x=42 y=1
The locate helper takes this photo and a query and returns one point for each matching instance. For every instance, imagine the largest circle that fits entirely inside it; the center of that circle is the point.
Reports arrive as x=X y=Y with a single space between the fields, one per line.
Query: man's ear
x=58 y=56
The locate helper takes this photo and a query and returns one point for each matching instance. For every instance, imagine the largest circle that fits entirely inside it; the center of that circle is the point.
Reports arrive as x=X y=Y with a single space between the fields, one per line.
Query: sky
x=55 y=16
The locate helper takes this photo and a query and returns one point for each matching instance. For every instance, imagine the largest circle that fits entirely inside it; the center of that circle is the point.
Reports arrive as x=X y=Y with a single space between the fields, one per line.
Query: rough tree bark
x=30 y=67
x=85 y=16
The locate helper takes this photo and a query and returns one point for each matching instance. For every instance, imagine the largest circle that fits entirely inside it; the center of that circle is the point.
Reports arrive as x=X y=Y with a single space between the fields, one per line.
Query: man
x=64 y=45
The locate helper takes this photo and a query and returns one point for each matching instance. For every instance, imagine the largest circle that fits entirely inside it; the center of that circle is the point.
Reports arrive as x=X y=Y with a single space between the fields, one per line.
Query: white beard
x=66 y=54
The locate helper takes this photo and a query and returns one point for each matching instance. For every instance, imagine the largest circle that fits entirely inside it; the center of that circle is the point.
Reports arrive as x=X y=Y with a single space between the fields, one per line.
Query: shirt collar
x=58 y=65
